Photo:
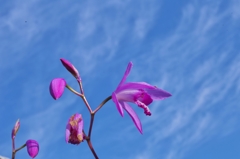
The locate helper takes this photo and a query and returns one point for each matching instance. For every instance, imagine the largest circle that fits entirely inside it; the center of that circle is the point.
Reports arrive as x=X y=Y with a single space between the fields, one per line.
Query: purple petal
x=133 y=115
x=129 y=67
x=145 y=98
x=57 y=87
x=32 y=148
x=77 y=116
x=68 y=128
x=133 y=95
x=158 y=94
x=135 y=85
x=80 y=130
x=153 y=91
x=80 y=126
x=119 y=106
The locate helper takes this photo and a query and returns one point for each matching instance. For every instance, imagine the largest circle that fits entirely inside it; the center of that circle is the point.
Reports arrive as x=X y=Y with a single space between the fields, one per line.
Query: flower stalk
x=15 y=151
x=139 y=93
x=92 y=113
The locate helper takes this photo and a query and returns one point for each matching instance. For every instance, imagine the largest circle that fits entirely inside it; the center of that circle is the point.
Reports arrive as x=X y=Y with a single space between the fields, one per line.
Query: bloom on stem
x=139 y=93
x=56 y=87
x=70 y=68
x=32 y=148
x=15 y=129
x=74 y=129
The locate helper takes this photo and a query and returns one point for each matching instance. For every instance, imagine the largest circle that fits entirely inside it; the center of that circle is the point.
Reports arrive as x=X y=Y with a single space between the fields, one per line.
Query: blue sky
x=189 y=48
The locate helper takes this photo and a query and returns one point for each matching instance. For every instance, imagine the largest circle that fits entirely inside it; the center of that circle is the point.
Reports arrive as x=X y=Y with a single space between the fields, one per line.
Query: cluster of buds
x=74 y=128
x=32 y=145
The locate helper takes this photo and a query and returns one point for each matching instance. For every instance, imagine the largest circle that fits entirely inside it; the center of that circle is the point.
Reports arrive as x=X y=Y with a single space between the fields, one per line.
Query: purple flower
x=56 y=87
x=74 y=129
x=32 y=148
x=139 y=93
x=70 y=68
x=15 y=129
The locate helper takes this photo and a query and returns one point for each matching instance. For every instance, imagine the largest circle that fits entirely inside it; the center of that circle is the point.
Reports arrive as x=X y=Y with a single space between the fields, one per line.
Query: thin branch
x=91 y=125
x=83 y=96
x=13 y=148
x=80 y=85
x=92 y=149
x=86 y=103
x=15 y=151
x=75 y=92
x=90 y=145
x=20 y=148
x=100 y=105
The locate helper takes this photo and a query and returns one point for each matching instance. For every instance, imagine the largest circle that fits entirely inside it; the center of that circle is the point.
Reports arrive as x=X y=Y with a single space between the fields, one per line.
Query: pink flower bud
x=56 y=87
x=74 y=129
x=15 y=129
x=32 y=148
x=70 y=68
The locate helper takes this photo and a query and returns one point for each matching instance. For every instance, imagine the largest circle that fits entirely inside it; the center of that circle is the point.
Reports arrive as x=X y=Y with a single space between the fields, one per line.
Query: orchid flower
x=15 y=129
x=139 y=93
x=32 y=148
x=56 y=87
x=74 y=129
x=70 y=68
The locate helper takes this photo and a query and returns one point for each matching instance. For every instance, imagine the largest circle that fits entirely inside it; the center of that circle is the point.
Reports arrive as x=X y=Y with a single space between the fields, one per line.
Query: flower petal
x=119 y=106
x=68 y=128
x=80 y=126
x=132 y=95
x=80 y=131
x=145 y=98
x=158 y=94
x=135 y=85
x=129 y=67
x=133 y=115
x=153 y=91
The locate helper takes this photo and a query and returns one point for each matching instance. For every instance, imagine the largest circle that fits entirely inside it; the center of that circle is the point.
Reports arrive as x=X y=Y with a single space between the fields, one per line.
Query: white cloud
x=191 y=53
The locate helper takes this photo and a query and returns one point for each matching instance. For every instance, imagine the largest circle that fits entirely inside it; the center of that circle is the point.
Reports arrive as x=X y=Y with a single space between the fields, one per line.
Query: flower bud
x=74 y=129
x=15 y=129
x=32 y=148
x=70 y=68
x=56 y=87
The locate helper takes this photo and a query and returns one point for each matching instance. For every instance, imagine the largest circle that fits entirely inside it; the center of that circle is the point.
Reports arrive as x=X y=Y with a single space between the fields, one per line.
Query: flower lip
x=74 y=129
x=70 y=67
x=32 y=148
x=57 y=87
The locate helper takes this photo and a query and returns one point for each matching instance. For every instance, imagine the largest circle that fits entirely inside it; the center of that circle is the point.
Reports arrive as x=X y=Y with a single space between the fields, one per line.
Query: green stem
x=91 y=125
x=15 y=151
x=90 y=145
x=86 y=103
x=20 y=148
x=75 y=92
x=103 y=102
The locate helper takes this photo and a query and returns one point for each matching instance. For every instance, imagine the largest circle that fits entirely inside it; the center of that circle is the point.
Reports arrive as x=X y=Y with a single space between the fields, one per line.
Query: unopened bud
x=15 y=129
x=70 y=68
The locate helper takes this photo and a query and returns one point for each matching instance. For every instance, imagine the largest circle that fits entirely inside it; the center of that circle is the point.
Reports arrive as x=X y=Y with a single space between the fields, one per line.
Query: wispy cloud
x=192 y=62
x=196 y=61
